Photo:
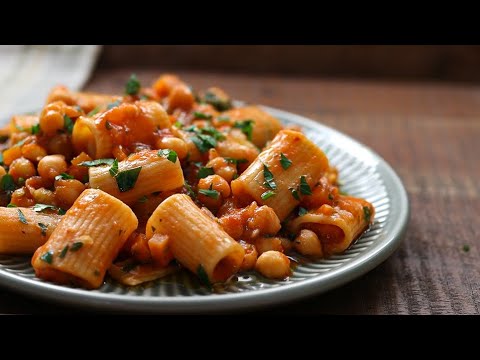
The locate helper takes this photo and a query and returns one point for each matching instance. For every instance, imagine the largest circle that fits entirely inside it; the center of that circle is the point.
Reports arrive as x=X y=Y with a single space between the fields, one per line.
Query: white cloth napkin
x=28 y=72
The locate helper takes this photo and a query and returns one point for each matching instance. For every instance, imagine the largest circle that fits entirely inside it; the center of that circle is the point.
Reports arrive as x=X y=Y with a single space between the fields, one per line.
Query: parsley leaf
x=204 y=142
x=235 y=161
x=61 y=211
x=64 y=176
x=285 y=162
x=204 y=172
x=295 y=194
x=35 y=129
x=267 y=195
x=47 y=257
x=114 y=169
x=367 y=214
x=132 y=87
x=126 y=179
x=268 y=176
x=246 y=126
x=7 y=183
x=190 y=191
x=217 y=102
x=330 y=197
x=304 y=187
x=203 y=116
x=466 y=248
x=214 y=194
x=22 y=217
x=94 y=111
x=302 y=211
x=68 y=124
x=44 y=228
x=203 y=276
x=63 y=252
x=169 y=154
x=1 y=158
x=97 y=162
x=76 y=246
x=11 y=205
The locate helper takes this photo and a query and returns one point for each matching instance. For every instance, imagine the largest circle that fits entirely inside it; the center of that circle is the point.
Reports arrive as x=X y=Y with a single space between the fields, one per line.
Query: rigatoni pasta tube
x=338 y=226
x=22 y=230
x=196 y=241
x=156 y=173
x=305 y=161
x=264 y=126
x=86 y=241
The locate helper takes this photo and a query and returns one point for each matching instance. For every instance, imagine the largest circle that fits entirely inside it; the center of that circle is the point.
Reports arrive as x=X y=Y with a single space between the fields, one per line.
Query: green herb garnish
x=108 y=126
x=330 y=197
x=178 y=124
x=214 y=194
x=76 y=246
x=42 y=207
x=64 y=176
x=203 y=116
x=304 y=187
x=367 y=214
x=35 y=129
x=114 y=169
x=132 y=87
x=94 y=111
x=1 y=158
x=204 y=172
x=268 y=176
x=97 y=162
x=235 y=161
x=63 y=252
x=22 y=217
x=216 y=102
x=267 y=195
x=223 y=118
x=169 y=154
x=204 y=142
x=61 y=211
x=295 y=193
x=68 y=124
x=126 y=179
x=285 y=162
x=302 y=211
x=114 y=104
x=11 y=205
x=190 y=191
x=7 y=183
x=47 y=257
x=44 y=228
x=246 y=126
x=466 y=248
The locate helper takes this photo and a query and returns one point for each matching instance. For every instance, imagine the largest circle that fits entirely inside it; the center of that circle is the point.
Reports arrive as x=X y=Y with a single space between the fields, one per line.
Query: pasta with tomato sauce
x=138 y=185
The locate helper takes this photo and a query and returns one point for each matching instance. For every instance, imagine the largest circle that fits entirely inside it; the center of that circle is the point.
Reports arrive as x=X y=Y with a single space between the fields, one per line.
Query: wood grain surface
x=429 y=133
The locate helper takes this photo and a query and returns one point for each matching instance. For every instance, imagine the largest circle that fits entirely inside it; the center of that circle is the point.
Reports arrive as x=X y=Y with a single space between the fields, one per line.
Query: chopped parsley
x=7 y=183
x=68 y=124
x=367 y=214
x=22 y=217
x=35 y=129
x=204 y=142
x=267 y=195
x=42 y=207
x=47 y=257
x=64 y=176
x=304 y=187
x=246 y=126
x=76 y=246
x=214 y=194
x=44 y=228
x=178 y=124
x=132 y=87
x=63 y=252
x=268 y=176
x=466 y=248
x=203 y=116
x=1 y=158
x=61 y=211
x=218 y=103
x=285 y=162
x=302 y=211
x=235 y=161
x=97 y=162
x=126 y=179
x=190 y=191
x=11 y=205
x=203 y=276
x=204 y=172
x=114 y=104
x=114 y=169
x=169 y=154
x=330 y=197
x=94 y=111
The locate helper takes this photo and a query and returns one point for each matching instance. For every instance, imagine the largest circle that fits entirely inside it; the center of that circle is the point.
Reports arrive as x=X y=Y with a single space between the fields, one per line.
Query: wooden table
x=429 y=133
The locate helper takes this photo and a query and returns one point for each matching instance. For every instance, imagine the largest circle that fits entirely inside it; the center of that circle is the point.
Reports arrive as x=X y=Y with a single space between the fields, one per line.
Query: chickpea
x=67 y=191
x=61 y=144
x=273 y=265
x=44 y=196
x=175 y=144
x=250 y=257
x=287 y=244
x=181 y=97
x=22 y=168
x=51 y=166
x=265 y=220
x=223 y=168
x=217 y=183
x=307 y=243
x=165 y=83
x=51 y=119
x=264 y=244
x=11 y=154
x=33 y=152
x=20 y=197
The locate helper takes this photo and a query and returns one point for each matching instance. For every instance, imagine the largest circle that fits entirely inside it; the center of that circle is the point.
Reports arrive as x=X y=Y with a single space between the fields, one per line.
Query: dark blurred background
x=393 y=62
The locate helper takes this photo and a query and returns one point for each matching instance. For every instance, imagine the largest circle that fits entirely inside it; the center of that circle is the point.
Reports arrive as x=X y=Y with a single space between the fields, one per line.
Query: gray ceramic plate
x=363 y=174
